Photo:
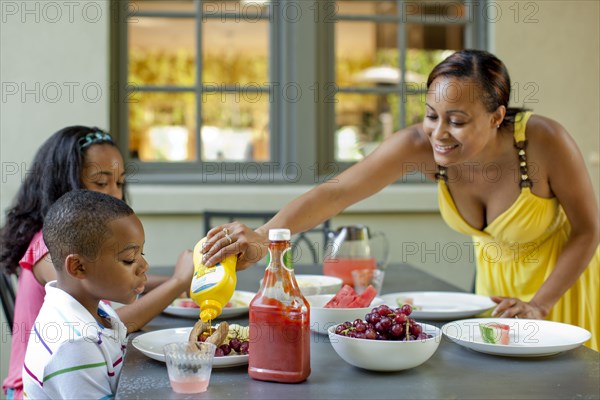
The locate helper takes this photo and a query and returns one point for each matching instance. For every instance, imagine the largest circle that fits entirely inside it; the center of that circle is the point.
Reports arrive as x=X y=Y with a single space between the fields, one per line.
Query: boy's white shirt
x=69 y=354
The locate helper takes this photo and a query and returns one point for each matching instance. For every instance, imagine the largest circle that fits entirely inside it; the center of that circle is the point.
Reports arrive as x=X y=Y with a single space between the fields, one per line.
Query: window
x=239 y=91
x=383 y=53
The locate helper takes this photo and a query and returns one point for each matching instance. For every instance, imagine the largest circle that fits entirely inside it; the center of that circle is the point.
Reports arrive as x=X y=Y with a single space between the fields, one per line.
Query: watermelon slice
x=494 y=333
x=347 y=298
x=365 y=298
x=343 y=298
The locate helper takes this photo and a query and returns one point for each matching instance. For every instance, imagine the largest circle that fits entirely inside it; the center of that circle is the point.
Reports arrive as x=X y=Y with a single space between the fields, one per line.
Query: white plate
x=527 y=337
x=152 y=343
x=240 y=299
x=441 y=305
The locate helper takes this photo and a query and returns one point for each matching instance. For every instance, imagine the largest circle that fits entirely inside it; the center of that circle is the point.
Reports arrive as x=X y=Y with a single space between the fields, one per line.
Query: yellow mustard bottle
x=212 y=287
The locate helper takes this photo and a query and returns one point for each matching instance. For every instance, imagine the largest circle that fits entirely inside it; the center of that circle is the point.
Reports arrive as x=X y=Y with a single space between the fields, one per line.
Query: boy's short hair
x=77 y=223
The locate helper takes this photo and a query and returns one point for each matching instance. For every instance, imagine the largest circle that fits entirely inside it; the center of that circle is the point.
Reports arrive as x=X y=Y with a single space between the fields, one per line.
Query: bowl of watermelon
x=327 y=310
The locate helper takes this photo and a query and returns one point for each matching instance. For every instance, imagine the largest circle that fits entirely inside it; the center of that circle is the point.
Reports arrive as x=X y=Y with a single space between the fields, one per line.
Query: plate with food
x=185 y=307
x=440 y=305
x=233 y=336
x=515 y=337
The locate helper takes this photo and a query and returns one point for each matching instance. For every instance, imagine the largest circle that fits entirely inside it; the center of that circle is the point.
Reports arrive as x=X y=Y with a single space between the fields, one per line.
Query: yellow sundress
x=517 y=251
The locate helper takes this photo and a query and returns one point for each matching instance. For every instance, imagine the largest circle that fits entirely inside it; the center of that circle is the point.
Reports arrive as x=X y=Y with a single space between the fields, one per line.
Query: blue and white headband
x=94 y=138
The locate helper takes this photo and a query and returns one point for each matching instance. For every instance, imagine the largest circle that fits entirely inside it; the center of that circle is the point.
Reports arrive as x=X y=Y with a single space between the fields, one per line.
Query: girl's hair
x=487 y=71
x=56 y=169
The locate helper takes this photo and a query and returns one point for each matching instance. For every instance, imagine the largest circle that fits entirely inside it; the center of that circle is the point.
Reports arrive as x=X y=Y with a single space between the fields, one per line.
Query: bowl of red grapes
x=387 y=339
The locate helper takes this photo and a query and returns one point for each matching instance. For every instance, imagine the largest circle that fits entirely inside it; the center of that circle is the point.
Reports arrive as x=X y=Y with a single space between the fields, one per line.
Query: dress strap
x=520 y=143
x=520 y=123
x=441 y=174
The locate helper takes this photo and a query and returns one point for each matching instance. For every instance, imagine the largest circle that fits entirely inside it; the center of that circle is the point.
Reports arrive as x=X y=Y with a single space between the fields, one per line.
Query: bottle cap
x=279 y=234
x=209 y=310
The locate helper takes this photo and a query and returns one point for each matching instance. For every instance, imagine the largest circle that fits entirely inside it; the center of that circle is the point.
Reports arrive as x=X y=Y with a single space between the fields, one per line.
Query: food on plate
x=494 y=333
x=384 y=323
x=408 y=300
x=185 y=303
x=347 y=298
x=230 y=339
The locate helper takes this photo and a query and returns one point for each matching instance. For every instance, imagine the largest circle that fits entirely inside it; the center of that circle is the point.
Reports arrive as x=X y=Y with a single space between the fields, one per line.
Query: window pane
x=353 y=7
x=162 y=51
x=362 y=122
x=415 y=109
x=235 y=52
x=235 y=126
x=162 y=6
x=367 y=54
x=162 y=126
x=435 y=37
x=249 y=10
x=447 y=11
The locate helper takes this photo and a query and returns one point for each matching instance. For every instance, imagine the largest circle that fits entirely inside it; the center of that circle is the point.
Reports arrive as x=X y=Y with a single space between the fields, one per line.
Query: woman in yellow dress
x=514 y=181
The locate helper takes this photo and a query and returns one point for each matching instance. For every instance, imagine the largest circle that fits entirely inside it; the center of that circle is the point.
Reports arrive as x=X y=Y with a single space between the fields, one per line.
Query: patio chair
x=8 y=295
x=314 y=241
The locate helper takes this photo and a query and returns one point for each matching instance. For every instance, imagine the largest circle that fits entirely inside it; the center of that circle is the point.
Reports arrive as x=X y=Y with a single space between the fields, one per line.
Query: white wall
x=553 y=55
x=47 y=48
x=559 y=54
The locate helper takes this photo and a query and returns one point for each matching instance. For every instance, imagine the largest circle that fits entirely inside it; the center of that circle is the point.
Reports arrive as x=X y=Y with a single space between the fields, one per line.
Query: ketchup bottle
x=279 y=319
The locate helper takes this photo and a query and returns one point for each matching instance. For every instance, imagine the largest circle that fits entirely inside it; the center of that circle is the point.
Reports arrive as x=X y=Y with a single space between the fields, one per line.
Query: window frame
x=307 y=127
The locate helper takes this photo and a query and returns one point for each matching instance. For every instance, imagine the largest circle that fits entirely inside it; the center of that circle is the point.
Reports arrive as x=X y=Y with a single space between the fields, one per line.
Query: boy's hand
x=184 y=270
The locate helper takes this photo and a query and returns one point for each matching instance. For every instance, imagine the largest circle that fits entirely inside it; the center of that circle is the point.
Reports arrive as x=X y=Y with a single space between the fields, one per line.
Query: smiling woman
x=515 y=182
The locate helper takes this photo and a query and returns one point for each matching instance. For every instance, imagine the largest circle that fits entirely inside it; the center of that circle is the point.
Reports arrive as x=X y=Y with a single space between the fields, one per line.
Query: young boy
x=77 y=344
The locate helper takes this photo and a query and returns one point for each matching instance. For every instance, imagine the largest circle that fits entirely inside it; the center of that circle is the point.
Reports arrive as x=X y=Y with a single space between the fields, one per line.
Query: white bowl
x=317 y=284
x=321 y=318
x=386 y=355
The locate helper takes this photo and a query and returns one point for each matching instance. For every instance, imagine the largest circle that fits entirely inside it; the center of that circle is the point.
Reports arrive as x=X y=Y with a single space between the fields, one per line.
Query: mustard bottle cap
x=210 y=309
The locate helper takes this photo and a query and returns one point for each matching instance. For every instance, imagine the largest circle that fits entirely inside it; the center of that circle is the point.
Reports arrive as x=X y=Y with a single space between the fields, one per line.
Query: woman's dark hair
x=56 y=170
x=485 y=69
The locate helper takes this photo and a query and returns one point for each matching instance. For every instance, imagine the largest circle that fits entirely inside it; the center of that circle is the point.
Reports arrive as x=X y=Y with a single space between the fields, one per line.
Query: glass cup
x=189 y=365
x=362 y=278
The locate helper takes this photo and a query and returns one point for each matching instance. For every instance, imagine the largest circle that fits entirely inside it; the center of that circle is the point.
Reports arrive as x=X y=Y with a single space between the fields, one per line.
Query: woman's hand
x=234 y=238
x=509 y=307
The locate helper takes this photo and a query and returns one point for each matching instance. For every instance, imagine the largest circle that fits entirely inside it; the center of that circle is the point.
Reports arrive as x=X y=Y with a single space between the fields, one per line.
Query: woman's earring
x=497 y=126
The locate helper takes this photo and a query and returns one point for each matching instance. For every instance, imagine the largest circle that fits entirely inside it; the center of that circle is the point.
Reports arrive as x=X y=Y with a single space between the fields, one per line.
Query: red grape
x=244 y=347
x=407 y=309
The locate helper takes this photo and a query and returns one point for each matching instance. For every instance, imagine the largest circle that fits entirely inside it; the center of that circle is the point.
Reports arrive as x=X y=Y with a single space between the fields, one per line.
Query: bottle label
x=286 y=259
x=210 y=278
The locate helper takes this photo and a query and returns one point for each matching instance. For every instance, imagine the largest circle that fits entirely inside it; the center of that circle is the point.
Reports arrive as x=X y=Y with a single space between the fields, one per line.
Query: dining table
x=453 y=372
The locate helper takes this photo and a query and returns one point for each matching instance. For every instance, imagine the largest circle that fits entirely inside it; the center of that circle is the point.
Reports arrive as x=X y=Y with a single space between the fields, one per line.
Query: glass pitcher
x=354 y=247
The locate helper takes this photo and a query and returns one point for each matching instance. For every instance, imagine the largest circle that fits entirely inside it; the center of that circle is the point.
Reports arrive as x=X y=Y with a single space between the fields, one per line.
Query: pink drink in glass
x=189 y=384
x=343 y=267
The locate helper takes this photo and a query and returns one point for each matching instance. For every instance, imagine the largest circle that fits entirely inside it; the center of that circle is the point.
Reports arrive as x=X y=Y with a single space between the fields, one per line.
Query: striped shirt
x=69 y=354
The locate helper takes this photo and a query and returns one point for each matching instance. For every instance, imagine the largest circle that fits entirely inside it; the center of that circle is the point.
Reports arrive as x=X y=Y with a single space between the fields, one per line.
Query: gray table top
x=453 y=371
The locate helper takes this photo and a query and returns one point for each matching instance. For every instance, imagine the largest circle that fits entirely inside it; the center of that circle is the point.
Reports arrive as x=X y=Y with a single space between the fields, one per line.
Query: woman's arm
x=407 y=150
x=570 y=183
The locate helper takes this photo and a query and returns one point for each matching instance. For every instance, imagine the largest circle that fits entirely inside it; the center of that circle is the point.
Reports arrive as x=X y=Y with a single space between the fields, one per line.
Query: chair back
x=308 y=246
x=8 y=295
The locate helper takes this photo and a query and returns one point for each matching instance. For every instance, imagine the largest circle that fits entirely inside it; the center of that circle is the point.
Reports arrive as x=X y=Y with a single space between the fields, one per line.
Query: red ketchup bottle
x=279 y=319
